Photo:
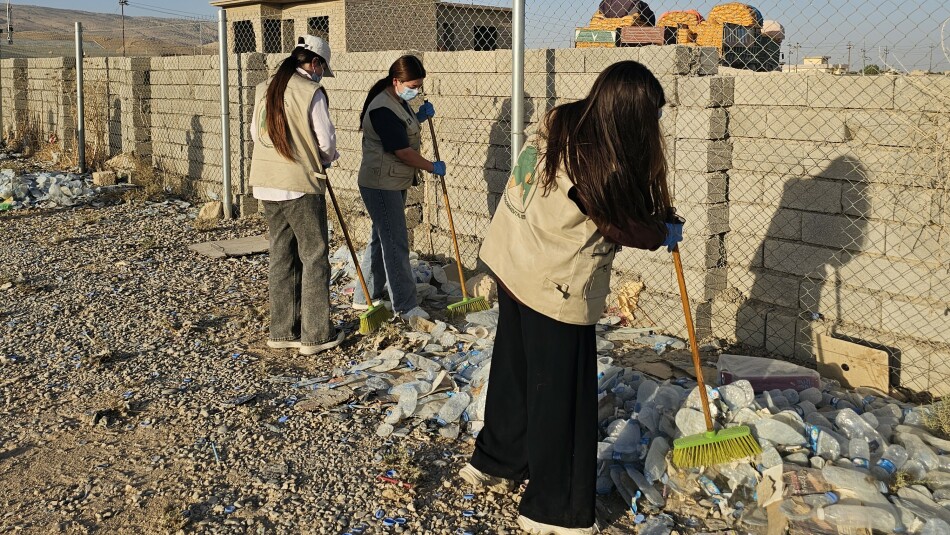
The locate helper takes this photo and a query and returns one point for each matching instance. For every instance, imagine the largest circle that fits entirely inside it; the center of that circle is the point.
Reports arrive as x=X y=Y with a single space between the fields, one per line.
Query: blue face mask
x=408 y=94
x=316 y=77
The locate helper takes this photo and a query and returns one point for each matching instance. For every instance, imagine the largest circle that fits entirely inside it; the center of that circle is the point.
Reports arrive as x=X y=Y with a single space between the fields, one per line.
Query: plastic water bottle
x=408 y=401
x=917 y=415
x=860 y=453
x=647 y=391
x=853 y=426
x=624 y=485
x=836 y=402
x=890 y=462
x=822 y=443
x=628 y=439
x=453 y=408
x=649 y=492
x=605 y=485
x=935 y=526
x=668 y=397
x=817 y=418
x=655 y=465
x=889 y=410
x=858 y=516
x=919 y=451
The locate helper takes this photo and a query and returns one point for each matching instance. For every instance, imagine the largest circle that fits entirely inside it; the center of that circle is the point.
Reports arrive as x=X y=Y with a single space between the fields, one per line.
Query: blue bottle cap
x=379 y=514
x=391 y=473
x=389 y=522
x=283 y=419
x=400 y=520
x=229 y=509
x=469 y=497
x=469 y=513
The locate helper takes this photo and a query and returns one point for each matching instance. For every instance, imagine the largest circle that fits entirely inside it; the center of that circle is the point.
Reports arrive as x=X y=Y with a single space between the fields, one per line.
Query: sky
x=909 y=30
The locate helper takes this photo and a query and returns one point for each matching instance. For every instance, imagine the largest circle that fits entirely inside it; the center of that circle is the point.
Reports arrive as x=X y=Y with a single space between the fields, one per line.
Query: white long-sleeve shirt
x=322 y=127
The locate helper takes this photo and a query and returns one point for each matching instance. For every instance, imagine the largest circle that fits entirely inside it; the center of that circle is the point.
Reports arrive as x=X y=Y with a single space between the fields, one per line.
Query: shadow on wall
x=115 y=127
x=194 y=150
x=813 y=246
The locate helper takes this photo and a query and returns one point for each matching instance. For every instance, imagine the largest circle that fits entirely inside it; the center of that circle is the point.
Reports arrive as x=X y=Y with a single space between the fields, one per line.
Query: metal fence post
x=517 y=81
x=80 y=112
x=225 y=111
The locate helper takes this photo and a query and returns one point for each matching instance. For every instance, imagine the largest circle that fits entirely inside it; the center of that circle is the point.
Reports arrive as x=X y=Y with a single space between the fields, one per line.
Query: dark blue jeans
x=387 y=254
x=299 y=276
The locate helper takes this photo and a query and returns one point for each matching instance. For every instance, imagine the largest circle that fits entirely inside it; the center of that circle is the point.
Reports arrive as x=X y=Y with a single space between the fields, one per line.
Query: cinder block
x=569 y=60
x=573 y=86
x=799 y=259
x=700 y=123
x=707 y=61
x=704 y=219
x=919 y=320
x=855 y=92
x=599 y=59
x=877 y=273
x=536 y=60
x=703 y=156
x=668 y=59
x=841 y=302
x=893 y=129
x=467 y=61
x=741 y=322
x=700 y=188
x=771 y=90
x=900 y=167
x=747 y=122
x=706 y=91
x=806 y=125
x=836 y=231
x=891 y=203
x=913 y=242
x=922 y=93
x=813 y=195
x=781 y=333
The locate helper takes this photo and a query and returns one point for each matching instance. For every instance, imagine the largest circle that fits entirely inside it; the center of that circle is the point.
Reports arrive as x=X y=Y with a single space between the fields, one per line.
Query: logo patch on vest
x=522 y=185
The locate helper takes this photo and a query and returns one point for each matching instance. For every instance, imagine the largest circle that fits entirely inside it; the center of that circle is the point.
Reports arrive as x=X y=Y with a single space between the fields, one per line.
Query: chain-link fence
x=807 y=149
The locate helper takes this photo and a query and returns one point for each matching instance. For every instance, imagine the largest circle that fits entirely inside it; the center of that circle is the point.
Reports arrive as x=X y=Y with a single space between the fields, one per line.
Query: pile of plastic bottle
x=33 y=189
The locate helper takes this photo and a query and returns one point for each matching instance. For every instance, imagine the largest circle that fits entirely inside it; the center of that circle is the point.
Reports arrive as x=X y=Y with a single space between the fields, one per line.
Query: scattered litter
x=44 y=189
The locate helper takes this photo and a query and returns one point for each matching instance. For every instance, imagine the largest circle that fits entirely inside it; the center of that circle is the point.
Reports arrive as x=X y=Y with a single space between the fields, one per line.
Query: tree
x=871 y=70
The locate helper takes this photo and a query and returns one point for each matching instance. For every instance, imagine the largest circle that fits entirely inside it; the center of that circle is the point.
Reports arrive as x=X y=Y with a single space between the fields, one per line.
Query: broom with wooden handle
x=711 y=447
x=373 y=318
x=467 y=304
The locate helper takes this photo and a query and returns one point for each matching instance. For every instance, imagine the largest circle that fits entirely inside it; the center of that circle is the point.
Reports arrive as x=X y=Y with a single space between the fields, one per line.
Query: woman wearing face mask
x=391 y=162
x=294 y=143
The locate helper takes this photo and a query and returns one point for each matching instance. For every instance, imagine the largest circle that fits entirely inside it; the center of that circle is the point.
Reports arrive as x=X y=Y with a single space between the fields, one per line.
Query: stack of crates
x=605 y=32
x=591 y=38
x=685 y=23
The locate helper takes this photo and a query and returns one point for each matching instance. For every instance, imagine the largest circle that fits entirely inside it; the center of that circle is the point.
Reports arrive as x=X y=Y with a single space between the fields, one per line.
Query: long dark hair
x=276 y=117
x=404 y=69
x=611 y=146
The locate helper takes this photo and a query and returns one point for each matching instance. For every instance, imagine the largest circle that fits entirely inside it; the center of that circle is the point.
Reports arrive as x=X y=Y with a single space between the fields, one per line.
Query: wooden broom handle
x=693 y=346
x=349 y=244
x=448 y=210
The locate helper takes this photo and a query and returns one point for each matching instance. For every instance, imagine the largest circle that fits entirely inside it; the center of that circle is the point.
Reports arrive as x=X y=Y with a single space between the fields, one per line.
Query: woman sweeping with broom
x=592 y=180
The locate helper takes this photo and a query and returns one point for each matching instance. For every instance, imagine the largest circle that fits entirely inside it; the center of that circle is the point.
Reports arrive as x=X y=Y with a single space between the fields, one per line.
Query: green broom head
x=467 y=306
x=374 y=318
x=715 y=447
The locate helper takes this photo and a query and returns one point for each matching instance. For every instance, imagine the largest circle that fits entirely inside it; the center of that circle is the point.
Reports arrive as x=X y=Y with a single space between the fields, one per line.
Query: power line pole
x=850 y=46
x=931 y=67
x=122 y=4
x=885 y=58
x=9 y=23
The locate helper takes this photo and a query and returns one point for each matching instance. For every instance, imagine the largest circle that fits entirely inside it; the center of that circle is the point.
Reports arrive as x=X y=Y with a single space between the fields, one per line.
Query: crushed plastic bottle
x=934 y=526
x=859 y=516
x=860 y=453
x=655 y=464
x=822 y=443
x=627 y=442
x=453 y=408
x=649 y=492
x=890 y=462
x=854 y=426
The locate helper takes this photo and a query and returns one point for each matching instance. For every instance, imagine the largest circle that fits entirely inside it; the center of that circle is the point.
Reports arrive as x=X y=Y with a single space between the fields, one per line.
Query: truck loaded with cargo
x=744 y=39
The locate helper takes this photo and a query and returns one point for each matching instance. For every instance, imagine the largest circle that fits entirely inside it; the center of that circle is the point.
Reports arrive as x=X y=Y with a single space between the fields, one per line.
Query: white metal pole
x=225 y=111
x=80 y=111
x=517 y=80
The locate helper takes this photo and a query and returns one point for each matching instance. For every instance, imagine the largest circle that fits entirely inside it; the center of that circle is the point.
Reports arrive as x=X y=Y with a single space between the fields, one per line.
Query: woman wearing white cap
x=294 y=143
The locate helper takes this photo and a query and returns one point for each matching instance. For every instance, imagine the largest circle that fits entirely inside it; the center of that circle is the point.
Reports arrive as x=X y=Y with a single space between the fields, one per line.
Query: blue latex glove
x=438 y=168
x=674 y=235
x=426 y=111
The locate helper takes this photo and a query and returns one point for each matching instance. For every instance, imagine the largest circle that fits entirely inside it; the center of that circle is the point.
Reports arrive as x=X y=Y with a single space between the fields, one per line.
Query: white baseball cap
x=319 y=47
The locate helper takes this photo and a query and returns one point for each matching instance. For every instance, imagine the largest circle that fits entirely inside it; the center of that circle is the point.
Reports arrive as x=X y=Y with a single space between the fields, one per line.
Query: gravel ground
x=122 y=354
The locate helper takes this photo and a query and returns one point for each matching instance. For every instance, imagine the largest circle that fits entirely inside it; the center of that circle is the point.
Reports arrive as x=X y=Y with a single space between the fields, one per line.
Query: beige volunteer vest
x=381 y=169
x=545 y=250
x=268 y=167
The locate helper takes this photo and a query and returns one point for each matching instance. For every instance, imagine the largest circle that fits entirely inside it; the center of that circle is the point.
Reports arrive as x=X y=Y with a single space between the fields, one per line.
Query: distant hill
x=49 y=32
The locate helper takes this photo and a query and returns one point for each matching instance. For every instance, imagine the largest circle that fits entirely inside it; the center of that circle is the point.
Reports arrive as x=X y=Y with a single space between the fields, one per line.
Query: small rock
x=211 y=211
x=103 y=178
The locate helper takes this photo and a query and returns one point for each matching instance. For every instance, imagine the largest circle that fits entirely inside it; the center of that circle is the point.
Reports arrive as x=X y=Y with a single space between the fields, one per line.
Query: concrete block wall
x=117 y=97
x=13 y=92
x=40 y=92
x=836 y=216
x=185 y=120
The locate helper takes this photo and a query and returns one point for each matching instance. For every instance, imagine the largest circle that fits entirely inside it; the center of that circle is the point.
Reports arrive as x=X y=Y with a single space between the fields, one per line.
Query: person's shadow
x=798 y=289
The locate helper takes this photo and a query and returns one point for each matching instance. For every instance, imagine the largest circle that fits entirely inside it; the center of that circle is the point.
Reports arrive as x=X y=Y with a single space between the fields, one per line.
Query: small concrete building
x=271 y=26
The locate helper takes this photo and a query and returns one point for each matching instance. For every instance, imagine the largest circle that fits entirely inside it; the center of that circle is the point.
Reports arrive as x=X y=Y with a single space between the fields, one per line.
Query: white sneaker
x=376 y=303
x=283 y=344
x=475 y=477
x=415 y=313
x=319 y=348
x=537 y=528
